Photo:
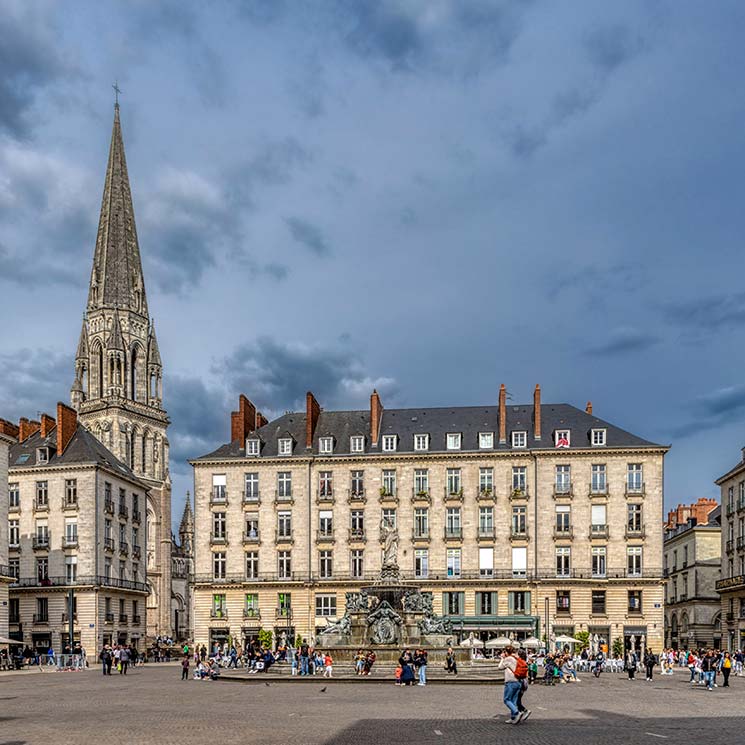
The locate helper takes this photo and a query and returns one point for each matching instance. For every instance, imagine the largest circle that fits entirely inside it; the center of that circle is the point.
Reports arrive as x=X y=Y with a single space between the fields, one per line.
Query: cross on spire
x=117 y=91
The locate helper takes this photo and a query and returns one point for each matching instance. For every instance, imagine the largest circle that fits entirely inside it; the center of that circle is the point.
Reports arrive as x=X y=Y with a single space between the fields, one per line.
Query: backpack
x=521 y=668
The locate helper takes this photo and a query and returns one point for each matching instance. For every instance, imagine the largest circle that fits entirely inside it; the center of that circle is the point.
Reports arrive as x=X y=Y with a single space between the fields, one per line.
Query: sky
x=429 y=198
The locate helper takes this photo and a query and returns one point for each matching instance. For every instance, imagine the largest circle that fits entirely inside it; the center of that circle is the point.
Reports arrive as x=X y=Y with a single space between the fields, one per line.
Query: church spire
x=116 y=278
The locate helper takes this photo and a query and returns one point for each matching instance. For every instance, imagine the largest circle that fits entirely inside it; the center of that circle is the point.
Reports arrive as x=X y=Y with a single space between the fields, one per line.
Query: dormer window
x=42 y=455
x=597 y=437
x=390 y=442
x=453 y=440
x=356 y=444
x=253 y=447
x=486 y=440
x=519 y=439
x=562 y=438
x=421 y=442
x=285 y=446
x=326 y=445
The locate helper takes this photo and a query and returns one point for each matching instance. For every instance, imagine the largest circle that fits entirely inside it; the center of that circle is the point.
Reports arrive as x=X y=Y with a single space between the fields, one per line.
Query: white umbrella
x=531 y=642
x=499 y=642
x=472 y=641
x=567 y=640
x=4 y=640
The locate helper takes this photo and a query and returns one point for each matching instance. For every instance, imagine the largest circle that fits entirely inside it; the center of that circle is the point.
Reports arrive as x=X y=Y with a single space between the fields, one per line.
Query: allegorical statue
x=390 y=544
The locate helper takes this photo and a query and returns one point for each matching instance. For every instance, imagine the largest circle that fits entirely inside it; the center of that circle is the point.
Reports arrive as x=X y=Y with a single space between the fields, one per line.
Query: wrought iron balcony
x=486 y=494
x=452 y=496
x=565 y=531
x=251 y=497
x=108 y=544
x=123 y=511
x=453 y=533
x=218 y=539
x=41 y=618
x=123 y=548
x=325 y=496
x=356 y=496
x=325 y=536
x=108 y=506
x=109 y=618
x=283 y=497
x=136 y=516
x=598 y=531
x=69 y=504
x=599 y=489
x=563 y=490
x=420 y=535
x=252 y=537
x=41 y=541
x=486 y=532
x=123 y=618
x=283 y=536
x=219 y=496
x=636 y=489
x=136 y=551
x=41 y=505
x=357 y=535
x=421 y=495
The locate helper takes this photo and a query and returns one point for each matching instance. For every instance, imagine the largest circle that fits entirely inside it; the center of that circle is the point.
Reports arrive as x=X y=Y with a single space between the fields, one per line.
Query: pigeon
x=266 y=684
x=323 y=690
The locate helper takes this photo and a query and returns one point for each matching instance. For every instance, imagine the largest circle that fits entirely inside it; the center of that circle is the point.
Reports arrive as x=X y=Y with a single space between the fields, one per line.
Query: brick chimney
x=312 y=412
x=243 y=421
x=376 y=416
x=588 y=408
x=502 y=414
x=537 y=412
x=47 y=424
x=261 y=420
x=9 y=429
x=67 y=424
x=27 y=428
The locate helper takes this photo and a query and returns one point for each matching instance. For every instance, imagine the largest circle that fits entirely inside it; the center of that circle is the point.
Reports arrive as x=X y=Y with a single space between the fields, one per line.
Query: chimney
x=588 y=408
x=27 y=428
x=537 y=412
x=261 y=420
x=376 y=415
x=47 y=424
x=502 y=414
x=312 y=412
x=67 y=424
x=9 y=429
x=243 y=421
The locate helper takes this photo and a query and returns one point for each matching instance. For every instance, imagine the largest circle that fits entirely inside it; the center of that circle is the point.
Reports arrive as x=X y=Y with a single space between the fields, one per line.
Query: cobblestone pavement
x=152 y=705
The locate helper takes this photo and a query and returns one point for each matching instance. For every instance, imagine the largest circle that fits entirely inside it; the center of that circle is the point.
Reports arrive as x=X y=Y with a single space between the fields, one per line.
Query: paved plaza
x=152 y=705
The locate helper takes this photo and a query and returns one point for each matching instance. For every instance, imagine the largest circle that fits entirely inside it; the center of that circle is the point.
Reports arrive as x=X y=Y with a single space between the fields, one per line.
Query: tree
x=618 y=647
x=583 y=637
x=265 y=638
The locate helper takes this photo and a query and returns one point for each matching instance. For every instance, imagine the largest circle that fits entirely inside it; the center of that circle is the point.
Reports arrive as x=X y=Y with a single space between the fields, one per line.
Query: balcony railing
x=325 y=536
x=82 y=581
x=565 y=531
x=486 y=532
x=123 y=548
x=136 y=551
x=108 y=506
x=218 y=539
x=324 y=496
x=730 y=510
x=740 y=504
x=123 y=511
x=284 y=497
x=357 y=535
x=740 y=542
x=41 y=618
x=635 y=490
x=252 y=537
x=420 y=495
x=452 y=496
x=283 y=536
x=387 y=495
x=219 y=496
x=599 y=489
x=635 y=532
x=219 y=613
x=283 y=612
x=136 y=619
x=518 y=533
x=356 y=496
x=41 y=505
x=108 y=544
x=598 y=531
x=69 y=541
x=563 y=490
x=730 y=546
x=14 y=619
x=136 y=516
x=453 y=534
x=251 y=497
x=109 y=617
x=252 y=613
x=41 y=542
x=123 y=618
x=420 y=535
x=69 y=504
x=518 y=492
x=486 y=495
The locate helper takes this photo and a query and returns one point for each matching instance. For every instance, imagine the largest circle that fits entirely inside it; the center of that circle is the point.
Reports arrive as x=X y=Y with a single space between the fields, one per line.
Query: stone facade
x=8 y=434
x=182 y=569
x=731 y=586
x=487 y=574
x=693 y=560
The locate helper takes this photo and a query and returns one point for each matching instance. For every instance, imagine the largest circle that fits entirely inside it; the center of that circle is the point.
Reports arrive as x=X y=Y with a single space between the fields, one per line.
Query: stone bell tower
x=118 y=387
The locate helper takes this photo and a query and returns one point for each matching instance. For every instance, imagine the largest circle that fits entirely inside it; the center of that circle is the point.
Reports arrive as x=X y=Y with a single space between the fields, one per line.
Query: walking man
x=649 y=662
x=512 y=685
x=631 y=661
x=185 y=667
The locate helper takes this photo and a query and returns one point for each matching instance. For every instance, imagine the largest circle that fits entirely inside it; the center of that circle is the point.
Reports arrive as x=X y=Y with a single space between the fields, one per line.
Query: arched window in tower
x=143 y=462
x=153 y=385
x=133 y=365
x=96 y=381
x=132 y=463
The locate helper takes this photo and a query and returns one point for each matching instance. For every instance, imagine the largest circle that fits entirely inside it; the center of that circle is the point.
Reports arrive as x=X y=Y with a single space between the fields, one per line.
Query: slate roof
x=437 y=422
x=83 y=449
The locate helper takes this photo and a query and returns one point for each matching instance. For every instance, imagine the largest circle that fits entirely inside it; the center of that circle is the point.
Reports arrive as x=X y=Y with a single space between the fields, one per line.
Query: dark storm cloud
x=309 y=235
x=624 y=340
x=713 y=411
x=609 y=47
x=712 y=313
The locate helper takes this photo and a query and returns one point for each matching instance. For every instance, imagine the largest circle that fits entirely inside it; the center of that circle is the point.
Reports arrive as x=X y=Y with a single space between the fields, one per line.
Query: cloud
x=713 y=410
x=308 y=235
x=708 y=313
x=623 y=340
x=610 y=47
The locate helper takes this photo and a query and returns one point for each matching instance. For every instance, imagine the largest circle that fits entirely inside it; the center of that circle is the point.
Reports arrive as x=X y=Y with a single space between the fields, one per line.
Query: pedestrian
x=420 y=662
x=512 y=685
x=708 y=669
x=522 y=656
x=726 y=669
x=328 y=665
x=450 y=664
x=124 y=660
x=649 y=662
x=631 y=661
x=185 y=667
x=304 y=658
x=407 y=668
x=106 y=659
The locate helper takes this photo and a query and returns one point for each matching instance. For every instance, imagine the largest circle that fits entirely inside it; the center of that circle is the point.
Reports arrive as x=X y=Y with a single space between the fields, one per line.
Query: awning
x=5 y=640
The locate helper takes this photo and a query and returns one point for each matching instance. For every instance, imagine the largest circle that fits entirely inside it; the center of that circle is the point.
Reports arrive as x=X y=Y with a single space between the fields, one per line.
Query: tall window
x=634 y=518
x=326 y=523
x=486 y=562
x=519 y=520
x=421 y=522
x=219 y=487
x=486 y=603
x=14 y=495
x=563 y=479
x=71 y=492
x=218 y=526
x=635 y=601
x=14 y=533
x=598 y=602
x=326 y=483
x=252 y=564
x=563 y=519
x=598 y=517
x=519 y=478
x=563 y=601
x=388 y=516
x=389 y=482
x=357 y=523
x=519 y=561
x=486 y=480
x=598 y=561
x=358 y=483
x=325 y=564
x=357 y=563
x=421 y=563
x=71 y=532
x=486 y=521
x=284 y=564
x=453 y=603
x=219 y=606
x=252 y=487
x=421 y=481
x=563 y=561
x=518 y=602
x=284 y=484
x=42 y=494
x=453 y=562
x=42 y=569
x=71 y=569
x=634 y=478
x=599 y=484
x=634 y=561
x=251 y=604
x=452 y=521
x=453 y=478
x=218 y=565
x=252 y=526
x=284 y=524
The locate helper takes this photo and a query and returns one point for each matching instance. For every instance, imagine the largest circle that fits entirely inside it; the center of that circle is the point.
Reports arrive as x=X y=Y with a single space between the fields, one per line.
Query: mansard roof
x=469 y=421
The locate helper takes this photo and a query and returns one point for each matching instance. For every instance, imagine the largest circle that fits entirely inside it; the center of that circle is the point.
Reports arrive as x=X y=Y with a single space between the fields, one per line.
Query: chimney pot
x=537 y=412
x=243 y=421
x=67 y=424
x=376 y=416
x=502 y=414
x=312 y=412
x=588 y=408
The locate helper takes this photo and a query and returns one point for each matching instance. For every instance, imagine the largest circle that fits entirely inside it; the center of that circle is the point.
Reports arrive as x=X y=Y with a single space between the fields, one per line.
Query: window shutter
x=511 y=603
x=528 y=606
x=461 y=603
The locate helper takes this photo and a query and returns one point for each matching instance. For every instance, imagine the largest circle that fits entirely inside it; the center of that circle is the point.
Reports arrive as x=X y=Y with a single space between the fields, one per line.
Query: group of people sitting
x=364 y=661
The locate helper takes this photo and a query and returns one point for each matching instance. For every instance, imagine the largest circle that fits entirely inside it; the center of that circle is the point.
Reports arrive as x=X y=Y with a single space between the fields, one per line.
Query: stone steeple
x=116 y=278
x=186 y=528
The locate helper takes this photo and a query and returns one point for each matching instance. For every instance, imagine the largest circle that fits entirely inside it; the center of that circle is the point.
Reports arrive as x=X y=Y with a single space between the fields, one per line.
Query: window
x=252 y=526
x=486 y=521
x=219 y=606
x=326 y=523
x=71 y=492
x=326 y=445
x=15 y=569
x=42 y=569
x=218 y=565
x=519 y=479
x=563 y=519
x=563 y=479
x=71 y=532
x=284 y=524
x=518 y=603
x=42 y=533
x=284 y=446
x=519 y=561
x=325 y=605
x=598 y=602
x=42 y=456
x=325 y=564
x=389 y=483
x=421 y=481
x=562 y=438
x=252 y=487
x=284 y=602
x=421 y=442
x=252 y=447
x=563 y=556
x=597 y=437
x=357 y=444
x=218 y=526
x=107 y=568
x=453 y=603
x=486 y=562
x=42 y=609
x=252 y=564
x=486 y=440
x=486 y=603
x=42 y=494
x=14 y=496
x=599 y=485
x=284 y=484
x=563 y=601
x=598 y=518
x=634 y=478
x=219 y=487
x=358 y=483
x=326 y=483
x=122 y=534
x=107 y=530
x=634 y=561
x=357 y=523
x=421 y=563
x=251 y=605
x=284 y=564
x=453 y=479
x=486 y=481
x=598 y=561
x=389 y=443
x=421 y=522
x=122 y=570
x=519 y=520
x=635 y=601
x=453 y=440
x=519 y=439
x=452 y=521
x=634 y=518
x=453 y=562
x=14 y=533
x=357 y=563
x=388 y=516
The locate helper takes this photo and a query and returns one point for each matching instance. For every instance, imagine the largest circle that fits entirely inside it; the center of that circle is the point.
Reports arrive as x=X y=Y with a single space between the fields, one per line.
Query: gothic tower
x=118 y=388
